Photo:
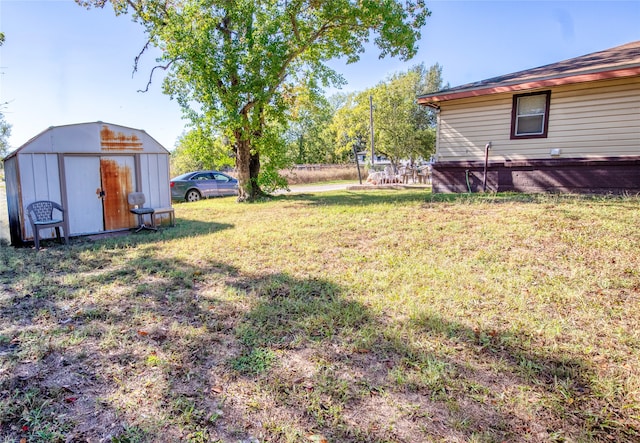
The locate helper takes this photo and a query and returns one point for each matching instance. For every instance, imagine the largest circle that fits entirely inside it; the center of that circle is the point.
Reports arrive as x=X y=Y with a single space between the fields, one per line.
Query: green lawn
x=373 y=316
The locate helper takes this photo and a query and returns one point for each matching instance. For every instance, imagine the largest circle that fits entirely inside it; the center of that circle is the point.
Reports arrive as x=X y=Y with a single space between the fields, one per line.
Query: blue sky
x=63 y=64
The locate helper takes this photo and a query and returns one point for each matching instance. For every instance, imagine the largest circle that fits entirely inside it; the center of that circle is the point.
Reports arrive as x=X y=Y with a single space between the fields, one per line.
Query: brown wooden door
x=116 y=174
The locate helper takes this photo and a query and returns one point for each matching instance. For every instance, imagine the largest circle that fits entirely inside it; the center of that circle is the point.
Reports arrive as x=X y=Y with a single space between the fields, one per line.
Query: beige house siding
x=586 y=120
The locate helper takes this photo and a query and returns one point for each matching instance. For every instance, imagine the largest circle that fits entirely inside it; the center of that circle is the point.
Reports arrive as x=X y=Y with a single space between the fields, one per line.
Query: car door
x=225 y=186
x=206 y=184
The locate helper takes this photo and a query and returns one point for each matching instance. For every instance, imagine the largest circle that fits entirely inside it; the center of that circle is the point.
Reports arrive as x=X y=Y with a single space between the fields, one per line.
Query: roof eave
x=543 y=82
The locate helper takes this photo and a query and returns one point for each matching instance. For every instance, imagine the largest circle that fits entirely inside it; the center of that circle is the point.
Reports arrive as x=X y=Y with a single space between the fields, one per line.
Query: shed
x=89 y=168
x=571 y=126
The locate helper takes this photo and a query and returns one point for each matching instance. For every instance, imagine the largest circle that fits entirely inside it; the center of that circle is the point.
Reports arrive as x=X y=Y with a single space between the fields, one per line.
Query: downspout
x=486 y=164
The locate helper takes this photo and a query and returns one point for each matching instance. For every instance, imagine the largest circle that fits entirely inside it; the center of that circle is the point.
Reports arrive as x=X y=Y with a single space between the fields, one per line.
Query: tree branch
x=137 y=59
x=163 y=67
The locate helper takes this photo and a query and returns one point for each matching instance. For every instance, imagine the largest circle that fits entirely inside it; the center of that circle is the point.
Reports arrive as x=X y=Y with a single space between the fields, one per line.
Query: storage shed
x=571 y=126
x=89 y=168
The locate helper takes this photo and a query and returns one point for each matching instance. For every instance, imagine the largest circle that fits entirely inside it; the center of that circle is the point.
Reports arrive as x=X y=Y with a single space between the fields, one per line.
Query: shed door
x=117 y=183
x=82 y=176
x=97 y=189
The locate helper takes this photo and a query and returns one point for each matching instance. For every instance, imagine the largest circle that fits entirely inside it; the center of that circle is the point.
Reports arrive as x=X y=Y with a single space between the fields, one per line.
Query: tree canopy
x=233 y=64
x=198 y=148
x=5 y=128
x=308 y=136
x=402 y=128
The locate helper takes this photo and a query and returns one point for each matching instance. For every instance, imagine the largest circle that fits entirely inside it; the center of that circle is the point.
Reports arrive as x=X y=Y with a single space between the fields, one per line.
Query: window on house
x=530 y=115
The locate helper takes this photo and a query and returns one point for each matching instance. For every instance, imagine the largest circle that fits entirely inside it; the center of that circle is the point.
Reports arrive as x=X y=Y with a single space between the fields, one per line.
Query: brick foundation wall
x=592 y=176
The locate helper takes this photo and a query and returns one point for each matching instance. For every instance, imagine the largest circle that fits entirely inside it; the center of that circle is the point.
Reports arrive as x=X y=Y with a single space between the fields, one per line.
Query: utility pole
x=371 y=129
x=355 y=153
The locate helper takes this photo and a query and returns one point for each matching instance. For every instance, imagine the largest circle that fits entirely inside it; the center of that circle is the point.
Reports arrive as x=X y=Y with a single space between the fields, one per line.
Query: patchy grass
x=383 y=316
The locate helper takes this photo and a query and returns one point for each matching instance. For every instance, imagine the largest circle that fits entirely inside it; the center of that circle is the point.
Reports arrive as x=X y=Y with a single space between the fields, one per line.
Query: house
x=572 y=126
x=88 y=168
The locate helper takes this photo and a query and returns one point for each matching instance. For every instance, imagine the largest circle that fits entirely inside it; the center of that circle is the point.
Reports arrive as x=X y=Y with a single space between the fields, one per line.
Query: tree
x=308 y=136
x=350 y=125
x=200 y=148
x=402 y=128
x=232 y=62
x=5 y=132
x=5 y=128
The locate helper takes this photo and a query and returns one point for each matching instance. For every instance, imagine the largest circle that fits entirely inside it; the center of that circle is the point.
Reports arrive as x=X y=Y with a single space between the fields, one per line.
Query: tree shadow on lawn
x=184 y=228
x=341 y=372
x=172 y=350
x=83 y=364
x=357 y=198
x=382 y=196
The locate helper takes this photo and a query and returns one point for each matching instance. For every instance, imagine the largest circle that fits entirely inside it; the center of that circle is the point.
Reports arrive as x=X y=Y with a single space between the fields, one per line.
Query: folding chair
x=41 y=217
x=137 y=200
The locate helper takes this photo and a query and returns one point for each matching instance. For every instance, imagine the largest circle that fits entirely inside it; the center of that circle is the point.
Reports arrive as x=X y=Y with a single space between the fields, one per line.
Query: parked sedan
x=195 y=185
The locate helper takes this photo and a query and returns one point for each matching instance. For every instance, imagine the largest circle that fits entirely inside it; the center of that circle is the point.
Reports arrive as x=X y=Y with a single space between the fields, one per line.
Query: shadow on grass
x=367 y=382
x=381 y=196
x=114 y=351
x=184 y=228
x=358 y=198
x=150 y=349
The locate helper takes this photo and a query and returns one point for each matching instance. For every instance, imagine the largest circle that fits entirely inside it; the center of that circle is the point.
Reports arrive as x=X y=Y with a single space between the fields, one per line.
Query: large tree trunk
x=243 y=161
x=248 y=168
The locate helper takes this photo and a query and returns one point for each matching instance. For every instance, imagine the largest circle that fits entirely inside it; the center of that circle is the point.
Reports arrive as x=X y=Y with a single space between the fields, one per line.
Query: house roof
x=621 y=61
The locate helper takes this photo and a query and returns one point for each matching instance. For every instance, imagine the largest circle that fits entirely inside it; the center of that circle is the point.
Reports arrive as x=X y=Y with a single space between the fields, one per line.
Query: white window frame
x=516 y=116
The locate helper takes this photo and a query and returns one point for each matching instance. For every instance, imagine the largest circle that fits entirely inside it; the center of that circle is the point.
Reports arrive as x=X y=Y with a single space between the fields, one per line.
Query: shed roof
x=620 y=61
x=93 y=137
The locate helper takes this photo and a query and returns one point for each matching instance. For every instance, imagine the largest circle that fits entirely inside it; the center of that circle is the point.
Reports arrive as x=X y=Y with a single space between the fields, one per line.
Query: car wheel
x=193 y=196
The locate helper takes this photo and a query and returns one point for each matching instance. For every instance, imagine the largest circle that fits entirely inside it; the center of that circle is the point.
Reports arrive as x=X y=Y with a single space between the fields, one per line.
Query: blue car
x=196 y=185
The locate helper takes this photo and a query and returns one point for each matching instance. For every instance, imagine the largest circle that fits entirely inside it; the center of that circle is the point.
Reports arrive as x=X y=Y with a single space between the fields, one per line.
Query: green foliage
x=5 y=132
x=402 y=128
x=201 y=149
x=309 y=137
x=232 y=63
x=350 y=125
x=274 y=157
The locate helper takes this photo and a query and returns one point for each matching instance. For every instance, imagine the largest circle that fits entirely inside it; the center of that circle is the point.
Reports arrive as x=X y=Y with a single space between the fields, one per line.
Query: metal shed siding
x=72 y=164
x=155 y=184
x=588 y=120
x=13 y=199
x=39 y=180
